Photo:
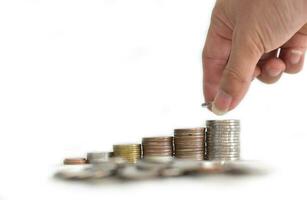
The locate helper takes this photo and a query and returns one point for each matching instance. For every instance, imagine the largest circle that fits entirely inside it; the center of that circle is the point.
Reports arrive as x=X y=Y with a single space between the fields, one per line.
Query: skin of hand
x=248 y=39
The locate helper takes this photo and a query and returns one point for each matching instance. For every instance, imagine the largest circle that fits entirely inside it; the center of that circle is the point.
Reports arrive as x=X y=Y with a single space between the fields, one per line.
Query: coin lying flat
x=74 y=161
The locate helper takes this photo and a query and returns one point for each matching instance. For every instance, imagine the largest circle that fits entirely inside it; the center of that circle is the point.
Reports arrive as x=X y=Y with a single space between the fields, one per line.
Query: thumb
x=238 y=73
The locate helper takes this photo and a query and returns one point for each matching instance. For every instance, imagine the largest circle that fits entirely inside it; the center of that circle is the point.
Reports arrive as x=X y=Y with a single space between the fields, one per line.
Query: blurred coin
x=129 y=152
x=97 y=157
x=74 y=161
x=133 y=173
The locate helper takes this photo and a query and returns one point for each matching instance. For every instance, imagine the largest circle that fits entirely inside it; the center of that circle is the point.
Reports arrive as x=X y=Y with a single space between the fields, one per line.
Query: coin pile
x=190 y=143
x=130 y=152
x=223 y=139
x=157 y=146
x=118 y=169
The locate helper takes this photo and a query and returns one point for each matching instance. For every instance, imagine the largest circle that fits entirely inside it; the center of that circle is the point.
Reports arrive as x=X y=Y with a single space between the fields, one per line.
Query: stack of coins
x=98 y=157
x=157 y=146
x=190 y=143
x=223 y=139
x=130 y=152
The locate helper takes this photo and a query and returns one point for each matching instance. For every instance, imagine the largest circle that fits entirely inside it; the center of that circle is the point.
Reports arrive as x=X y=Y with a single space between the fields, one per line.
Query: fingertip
x=221 y=103
x=294 y=59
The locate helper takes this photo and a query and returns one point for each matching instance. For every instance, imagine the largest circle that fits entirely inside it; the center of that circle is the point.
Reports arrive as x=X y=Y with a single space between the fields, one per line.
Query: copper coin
x=190 y=130
x=74 y=161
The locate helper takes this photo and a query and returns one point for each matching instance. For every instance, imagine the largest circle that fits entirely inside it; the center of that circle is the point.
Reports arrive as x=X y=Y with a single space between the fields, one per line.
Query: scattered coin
x=133 y=173
x=76 y=172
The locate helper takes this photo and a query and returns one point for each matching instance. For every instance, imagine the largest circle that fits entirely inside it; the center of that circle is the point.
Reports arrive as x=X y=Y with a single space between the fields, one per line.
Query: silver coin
x=227 y=128
x=223 y=139
x=223 y=132
x=224 y=150
x=159 y=159
x=217 y=142
x=226 y=143
x=224 y=146
x=171 y=172
x=221 y=126
x=223 y=121
x=96 y=157
x=210 y=151
x=223 y=155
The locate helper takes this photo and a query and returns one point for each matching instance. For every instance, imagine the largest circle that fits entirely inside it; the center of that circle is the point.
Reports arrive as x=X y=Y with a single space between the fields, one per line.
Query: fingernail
x=295 y=56
x=273 y=72
x=221 y=103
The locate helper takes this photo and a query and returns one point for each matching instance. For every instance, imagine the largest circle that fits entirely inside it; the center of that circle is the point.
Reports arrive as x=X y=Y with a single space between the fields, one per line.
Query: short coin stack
x=190 y=143
x=157 y=146
x=98 y=157
x=130 y=152
x=223 y=139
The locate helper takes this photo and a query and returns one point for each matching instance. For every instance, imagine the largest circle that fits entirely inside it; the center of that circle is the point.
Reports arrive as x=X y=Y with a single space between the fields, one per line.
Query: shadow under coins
x=234 y=175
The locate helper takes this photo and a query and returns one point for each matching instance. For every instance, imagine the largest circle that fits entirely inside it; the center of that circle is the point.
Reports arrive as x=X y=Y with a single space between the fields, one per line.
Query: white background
x=78 y=76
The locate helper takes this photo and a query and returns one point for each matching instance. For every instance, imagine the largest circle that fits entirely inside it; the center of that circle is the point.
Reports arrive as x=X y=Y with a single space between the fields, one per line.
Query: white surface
x=77 y=76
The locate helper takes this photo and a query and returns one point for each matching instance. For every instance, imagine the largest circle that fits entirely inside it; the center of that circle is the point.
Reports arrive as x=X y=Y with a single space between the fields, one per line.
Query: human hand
x=243 y=42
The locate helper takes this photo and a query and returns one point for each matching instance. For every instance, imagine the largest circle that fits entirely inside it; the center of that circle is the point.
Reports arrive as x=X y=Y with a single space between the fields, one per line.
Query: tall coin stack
x=130 y=152
x=223 y=139
x=157 y=146
x=190 y=143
